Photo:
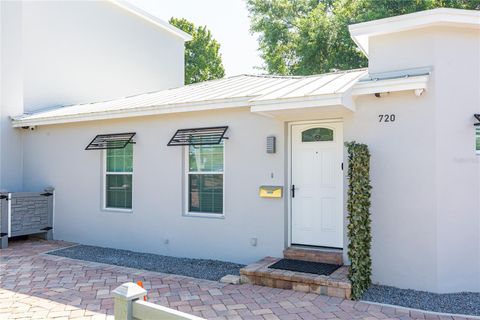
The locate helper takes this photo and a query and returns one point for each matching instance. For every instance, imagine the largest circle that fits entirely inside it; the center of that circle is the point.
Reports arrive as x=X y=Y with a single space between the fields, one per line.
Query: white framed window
x=477 y=140
x=118 y=179
x=205 y=183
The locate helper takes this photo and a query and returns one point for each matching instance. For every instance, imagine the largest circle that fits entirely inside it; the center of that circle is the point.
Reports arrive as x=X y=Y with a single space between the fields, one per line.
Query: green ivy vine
x=359 y=226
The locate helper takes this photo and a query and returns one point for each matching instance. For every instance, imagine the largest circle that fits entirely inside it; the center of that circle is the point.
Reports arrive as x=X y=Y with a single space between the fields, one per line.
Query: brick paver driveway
x=38 y=286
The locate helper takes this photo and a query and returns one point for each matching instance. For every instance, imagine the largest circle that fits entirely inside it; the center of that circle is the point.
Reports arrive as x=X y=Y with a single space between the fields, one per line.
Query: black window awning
x=111 y=141
x=198 y=136
x=477 y=116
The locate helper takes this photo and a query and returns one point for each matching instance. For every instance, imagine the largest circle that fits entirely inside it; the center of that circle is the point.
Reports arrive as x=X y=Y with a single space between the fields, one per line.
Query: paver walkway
x=34 y=285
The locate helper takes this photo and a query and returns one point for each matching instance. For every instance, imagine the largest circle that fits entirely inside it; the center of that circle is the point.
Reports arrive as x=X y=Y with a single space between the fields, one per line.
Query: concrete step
x=333 y=256
x=334 y=285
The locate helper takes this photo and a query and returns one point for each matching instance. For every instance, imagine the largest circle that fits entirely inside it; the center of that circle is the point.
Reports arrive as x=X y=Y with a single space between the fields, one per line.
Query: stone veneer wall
x=29 y=213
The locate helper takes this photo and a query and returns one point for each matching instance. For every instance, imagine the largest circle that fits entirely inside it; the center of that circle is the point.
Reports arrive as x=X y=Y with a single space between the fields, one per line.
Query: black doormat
x=305 y=266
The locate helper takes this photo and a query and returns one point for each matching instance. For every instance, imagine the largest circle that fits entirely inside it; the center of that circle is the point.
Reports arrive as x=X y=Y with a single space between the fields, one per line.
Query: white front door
x=317 y=184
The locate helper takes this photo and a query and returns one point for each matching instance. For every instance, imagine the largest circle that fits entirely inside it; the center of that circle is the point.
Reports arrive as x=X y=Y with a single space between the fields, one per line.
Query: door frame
x=289 y=173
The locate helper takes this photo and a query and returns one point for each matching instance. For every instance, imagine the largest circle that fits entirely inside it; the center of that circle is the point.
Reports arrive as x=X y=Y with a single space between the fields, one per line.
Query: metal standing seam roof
x=237 y=91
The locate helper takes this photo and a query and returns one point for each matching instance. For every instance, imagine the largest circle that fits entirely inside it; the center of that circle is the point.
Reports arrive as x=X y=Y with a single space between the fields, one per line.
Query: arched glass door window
x=317 y=134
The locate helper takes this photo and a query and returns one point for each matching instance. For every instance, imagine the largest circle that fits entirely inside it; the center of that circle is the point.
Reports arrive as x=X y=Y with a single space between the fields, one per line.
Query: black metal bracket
x=3 y=197
x=47 y=228
x=46 y=194
x=477 y=116
x=3 y=235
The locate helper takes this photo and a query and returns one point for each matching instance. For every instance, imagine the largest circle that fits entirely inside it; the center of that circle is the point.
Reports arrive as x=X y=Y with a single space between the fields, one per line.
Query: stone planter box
x=26 y=213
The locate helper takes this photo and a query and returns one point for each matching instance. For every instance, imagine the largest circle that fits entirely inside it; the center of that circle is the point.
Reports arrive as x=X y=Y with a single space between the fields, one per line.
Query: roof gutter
x=136 y=112
x=337 y=99
x=390 y=85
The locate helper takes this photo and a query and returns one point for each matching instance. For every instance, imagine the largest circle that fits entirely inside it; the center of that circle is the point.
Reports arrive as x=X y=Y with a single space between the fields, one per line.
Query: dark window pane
x=478 y=139
x=120 y=160
x=205 y=193
x=119 y=191
x=206 y=158
x=317 y=134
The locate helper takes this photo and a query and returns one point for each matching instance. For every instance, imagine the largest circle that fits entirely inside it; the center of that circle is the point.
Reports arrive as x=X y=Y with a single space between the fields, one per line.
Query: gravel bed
x=196 y=268
x=467 y=303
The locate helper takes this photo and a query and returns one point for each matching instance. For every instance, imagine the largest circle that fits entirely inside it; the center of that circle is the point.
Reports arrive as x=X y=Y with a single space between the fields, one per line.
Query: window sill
x=117 y=210
x=204 y=215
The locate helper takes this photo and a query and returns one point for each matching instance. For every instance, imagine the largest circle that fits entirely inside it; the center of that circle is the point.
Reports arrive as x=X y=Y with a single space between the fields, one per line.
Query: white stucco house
x=183 y=189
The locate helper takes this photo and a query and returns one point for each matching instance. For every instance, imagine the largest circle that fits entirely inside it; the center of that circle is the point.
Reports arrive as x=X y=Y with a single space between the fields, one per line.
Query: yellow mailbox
x=270 y=191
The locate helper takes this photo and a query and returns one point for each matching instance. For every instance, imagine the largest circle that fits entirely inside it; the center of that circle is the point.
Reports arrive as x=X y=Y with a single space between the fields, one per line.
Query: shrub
x=359 y=229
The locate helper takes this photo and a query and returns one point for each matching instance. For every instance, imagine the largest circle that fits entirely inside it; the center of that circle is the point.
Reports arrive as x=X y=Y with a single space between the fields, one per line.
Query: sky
x=227 y=20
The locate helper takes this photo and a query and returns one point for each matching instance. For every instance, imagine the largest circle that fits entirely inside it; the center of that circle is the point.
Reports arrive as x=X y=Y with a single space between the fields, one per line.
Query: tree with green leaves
x=203 y=60
x=304 y=37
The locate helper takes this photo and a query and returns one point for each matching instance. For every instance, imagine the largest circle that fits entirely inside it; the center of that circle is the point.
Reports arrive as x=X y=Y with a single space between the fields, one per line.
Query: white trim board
x=390 y=85
x=361 y=32
x=151 y=18
x=130 y=113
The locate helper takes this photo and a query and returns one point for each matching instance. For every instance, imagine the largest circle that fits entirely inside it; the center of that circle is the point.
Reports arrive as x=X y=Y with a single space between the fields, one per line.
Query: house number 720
x=386 y=117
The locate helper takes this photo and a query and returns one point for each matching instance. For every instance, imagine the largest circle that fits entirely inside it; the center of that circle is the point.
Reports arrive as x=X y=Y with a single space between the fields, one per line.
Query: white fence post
x=125 y=295
x=129 y=306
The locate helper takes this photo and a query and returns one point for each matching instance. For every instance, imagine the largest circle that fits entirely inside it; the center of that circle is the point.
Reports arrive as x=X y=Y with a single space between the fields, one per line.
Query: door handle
x=293 y=191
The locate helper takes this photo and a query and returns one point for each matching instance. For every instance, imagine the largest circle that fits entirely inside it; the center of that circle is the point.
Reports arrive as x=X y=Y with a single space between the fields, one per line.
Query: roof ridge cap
x=300 y=76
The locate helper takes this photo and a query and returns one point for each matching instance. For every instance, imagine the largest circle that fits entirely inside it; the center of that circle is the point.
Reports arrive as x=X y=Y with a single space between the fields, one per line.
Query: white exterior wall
x=458 y=185
x=58 y=159
x=11 y=94
x=86 y=51
x=403 y=180
x=426 y=227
